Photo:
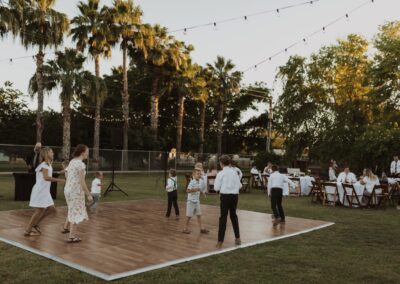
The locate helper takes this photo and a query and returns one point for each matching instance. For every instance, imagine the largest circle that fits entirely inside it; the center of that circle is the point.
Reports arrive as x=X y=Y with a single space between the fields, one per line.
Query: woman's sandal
x=74 y=240
x=31 y=234
x=37 y=229
x=65 y=231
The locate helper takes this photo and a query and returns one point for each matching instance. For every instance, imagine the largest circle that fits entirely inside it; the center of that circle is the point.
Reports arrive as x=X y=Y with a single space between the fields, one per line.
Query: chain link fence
x=13 y=159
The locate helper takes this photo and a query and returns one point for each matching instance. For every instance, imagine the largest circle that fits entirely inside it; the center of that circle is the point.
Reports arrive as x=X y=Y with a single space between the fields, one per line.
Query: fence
x=13 y=159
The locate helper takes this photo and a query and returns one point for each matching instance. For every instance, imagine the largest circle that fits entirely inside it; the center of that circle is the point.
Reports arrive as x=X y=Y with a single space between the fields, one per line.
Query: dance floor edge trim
x=108 y=277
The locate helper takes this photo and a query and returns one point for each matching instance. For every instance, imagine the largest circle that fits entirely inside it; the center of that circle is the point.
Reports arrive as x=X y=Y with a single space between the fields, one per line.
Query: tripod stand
x=113 y=186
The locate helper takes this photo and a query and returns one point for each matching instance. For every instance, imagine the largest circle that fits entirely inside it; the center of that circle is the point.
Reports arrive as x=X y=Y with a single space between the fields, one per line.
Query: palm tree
x=66 y=72
x=227 y=84
x=126 y=25
x=203 y=81
x=164 y=57
x=36 y=24
x=91 y=30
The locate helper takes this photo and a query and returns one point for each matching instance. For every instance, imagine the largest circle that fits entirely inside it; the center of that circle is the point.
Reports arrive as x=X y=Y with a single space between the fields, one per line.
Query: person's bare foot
x=219 y=245
x=238 y=242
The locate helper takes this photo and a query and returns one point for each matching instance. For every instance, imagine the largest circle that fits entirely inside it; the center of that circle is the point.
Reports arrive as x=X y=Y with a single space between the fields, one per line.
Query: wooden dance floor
x=131 y=237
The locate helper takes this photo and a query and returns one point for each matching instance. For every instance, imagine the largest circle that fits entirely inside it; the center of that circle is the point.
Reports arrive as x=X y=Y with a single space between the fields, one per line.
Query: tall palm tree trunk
x=202 y=125
x=96 y=138
x=40 y=95
x=125 y=109
x=154 y=108
x=66 y=113
x=179 y=123
x=220 y=127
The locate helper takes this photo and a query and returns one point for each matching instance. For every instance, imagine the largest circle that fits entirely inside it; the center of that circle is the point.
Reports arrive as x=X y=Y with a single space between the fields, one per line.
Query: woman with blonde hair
x=41 y=198
x=369 y=180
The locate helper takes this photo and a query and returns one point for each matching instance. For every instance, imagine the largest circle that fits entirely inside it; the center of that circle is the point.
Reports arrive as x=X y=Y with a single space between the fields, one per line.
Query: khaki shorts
x=193 y=208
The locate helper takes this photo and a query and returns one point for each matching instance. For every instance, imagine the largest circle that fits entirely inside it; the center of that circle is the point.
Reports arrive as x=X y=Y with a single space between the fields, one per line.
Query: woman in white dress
x=369 y=180
x=75 y=191
x=41 y=198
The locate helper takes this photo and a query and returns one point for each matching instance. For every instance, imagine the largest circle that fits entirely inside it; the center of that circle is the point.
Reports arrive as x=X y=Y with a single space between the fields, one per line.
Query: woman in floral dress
x=75 y=191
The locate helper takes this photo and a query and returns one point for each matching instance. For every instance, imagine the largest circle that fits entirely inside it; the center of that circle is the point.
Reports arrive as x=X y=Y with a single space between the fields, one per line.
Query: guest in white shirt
x=395 y=167
x=332 y=172
x=256 y=174
x=276 y=183
x=228 y=185
x=268 y=169
x=234 y=166
x=346 y=176
x=369 y=180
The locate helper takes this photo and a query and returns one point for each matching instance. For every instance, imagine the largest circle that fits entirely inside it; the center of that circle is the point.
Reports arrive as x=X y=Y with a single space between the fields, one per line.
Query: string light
x=323 y=29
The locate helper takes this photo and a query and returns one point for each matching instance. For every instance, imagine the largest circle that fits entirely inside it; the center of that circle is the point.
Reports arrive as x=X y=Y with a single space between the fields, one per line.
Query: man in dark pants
x=227 y=183
x=276 y=183
x=33 y=159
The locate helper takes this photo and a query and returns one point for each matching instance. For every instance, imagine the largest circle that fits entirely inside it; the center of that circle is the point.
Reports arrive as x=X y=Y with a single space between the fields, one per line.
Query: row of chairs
x=327 y=193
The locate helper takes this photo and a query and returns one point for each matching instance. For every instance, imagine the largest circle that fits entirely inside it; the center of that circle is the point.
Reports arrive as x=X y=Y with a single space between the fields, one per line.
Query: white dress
x=74 y=194
x=40 y=196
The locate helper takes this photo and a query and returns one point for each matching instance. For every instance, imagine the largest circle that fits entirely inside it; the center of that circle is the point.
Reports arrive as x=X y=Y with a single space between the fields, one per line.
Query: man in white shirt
x=227 y=183
x=395 y=167
x=346 y=176
x=276 y=182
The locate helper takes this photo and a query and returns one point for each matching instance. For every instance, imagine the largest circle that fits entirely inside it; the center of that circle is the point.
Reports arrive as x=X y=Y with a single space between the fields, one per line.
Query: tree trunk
x=40 y=95
x=202 y=125
x=220 y=127
x=96 y=138
x=125 y=110
x=154 y=109
x=179 y=124
x=66 y=113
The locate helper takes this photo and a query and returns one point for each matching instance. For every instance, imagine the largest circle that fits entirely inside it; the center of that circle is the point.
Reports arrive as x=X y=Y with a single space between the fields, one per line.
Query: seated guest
x=268 y=169
x=234 y=166
x=211 y=172
x=256 y=174
x=33 y=159
x=369 y=180
x=395 y=167
x=346 y=176
x=332 y=171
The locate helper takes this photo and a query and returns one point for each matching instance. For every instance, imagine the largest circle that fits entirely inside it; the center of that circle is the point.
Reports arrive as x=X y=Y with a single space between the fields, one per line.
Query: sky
x=245 y=42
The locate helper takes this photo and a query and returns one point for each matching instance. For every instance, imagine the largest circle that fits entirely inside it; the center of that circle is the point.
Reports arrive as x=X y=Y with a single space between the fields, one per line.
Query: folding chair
x=394 y=194
x=330 y=193
x=245 y=184
x=378 y=197
x=351 y=196
x=210 y=186
x=316 y=191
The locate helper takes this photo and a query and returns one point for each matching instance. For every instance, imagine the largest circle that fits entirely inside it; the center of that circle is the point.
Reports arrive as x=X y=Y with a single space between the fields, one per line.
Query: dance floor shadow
x=130 y=237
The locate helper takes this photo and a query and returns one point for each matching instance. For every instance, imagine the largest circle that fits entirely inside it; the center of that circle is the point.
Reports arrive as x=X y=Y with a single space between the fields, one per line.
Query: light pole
x=270 y=115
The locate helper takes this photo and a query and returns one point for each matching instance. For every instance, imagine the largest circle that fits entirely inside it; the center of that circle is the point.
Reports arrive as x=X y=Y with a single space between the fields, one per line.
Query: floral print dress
x=74 y=194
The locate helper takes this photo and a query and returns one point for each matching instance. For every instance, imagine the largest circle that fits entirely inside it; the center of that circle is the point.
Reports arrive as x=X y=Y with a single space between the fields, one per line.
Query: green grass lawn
x=362 y=247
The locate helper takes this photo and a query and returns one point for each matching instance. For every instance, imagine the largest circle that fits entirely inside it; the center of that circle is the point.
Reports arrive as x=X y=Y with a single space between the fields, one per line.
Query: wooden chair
x=394 y=194
x=378 y=197
x=316 y=191
x=210 y=186
x=330 y=189
x=352 y=196
x=245 y=184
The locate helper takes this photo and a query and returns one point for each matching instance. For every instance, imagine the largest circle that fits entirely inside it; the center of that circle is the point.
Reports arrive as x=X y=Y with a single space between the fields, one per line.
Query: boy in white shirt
x=194 y=189
x=172 y=190
x=95 y=191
